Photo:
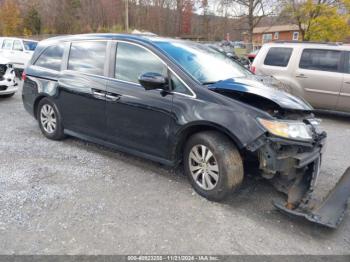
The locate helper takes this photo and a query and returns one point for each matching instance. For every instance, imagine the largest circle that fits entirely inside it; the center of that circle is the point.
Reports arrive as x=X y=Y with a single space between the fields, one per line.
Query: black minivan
x=175 y=101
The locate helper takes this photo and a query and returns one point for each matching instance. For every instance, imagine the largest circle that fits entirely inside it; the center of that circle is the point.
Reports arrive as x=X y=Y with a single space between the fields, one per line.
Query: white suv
x=17 y=51
x=320 y=73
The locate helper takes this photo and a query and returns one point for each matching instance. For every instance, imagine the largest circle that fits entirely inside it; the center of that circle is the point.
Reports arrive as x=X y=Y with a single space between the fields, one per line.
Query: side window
x=30 y=45
x=133 y=61
x=17 y=45
x=7 y=44
x=177 y=86
x=51 y=58
x=319 y=59
x=278 y=56
x=347 y=63
x=88 y=57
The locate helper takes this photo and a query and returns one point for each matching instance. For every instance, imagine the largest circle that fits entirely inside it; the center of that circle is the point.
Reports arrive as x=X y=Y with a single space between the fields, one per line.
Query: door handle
x=99 y=94
x=301 y=76
x=113 y=97
x=347 y=82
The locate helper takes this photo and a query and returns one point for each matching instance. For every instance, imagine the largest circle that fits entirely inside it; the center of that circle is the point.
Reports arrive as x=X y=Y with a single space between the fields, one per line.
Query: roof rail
x=307 y=42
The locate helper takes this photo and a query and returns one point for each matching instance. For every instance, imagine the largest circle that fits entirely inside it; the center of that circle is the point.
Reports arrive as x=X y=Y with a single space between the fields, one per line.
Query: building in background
x=262 y=35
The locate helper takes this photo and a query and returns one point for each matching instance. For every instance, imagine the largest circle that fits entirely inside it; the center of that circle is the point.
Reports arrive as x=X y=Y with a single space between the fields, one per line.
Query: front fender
x=237 y=120
x=198 y=126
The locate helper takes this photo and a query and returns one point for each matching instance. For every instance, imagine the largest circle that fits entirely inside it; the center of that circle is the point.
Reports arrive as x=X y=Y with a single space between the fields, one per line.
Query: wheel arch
x=185 y=133
x=36 y=103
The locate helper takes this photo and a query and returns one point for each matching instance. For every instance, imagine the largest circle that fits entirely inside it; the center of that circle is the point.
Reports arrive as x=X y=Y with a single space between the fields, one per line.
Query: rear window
x=87 y=57
x=30 y=45
x=319 y=59
x=278 y=56
x=51 y=58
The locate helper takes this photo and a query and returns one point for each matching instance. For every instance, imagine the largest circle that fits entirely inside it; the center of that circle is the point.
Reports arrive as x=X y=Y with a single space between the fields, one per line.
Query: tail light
x=24 y=76
x=253 y=69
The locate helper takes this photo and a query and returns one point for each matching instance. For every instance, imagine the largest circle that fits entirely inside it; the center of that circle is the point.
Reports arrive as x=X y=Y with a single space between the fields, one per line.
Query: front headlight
x=288 y=129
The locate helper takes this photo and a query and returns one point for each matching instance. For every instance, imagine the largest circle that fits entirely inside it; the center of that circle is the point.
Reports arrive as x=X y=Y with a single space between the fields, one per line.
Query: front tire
x=49 y=119
x=213 y=165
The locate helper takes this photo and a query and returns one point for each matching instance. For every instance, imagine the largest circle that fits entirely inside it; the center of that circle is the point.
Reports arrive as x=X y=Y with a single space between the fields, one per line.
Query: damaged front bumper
x=328 y=212
x=293 y=168
x=8 y=84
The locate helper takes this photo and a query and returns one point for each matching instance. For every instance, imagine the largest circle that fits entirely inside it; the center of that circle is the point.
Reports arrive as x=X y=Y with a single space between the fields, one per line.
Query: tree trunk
x=250 y=26
x=179 y=5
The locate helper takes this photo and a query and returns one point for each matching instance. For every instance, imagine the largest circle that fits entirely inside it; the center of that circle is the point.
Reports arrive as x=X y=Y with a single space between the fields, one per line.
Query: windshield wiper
x=210 y=82
x=213 y=82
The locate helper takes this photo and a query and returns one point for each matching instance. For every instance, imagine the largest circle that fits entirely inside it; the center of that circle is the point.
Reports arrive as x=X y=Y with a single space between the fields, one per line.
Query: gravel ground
x=73 y=197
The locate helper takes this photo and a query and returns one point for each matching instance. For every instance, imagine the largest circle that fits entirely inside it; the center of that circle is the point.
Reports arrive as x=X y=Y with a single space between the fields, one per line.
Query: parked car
x=174 y=101
x=251 y=56
x=8 y=84
x=232 y=55
x=238 y=44
x=320 y=73
x=17 y=51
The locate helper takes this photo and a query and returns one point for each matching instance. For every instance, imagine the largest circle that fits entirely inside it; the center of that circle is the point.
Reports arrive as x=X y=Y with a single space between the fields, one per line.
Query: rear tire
x=50 y=120
x=213 y=165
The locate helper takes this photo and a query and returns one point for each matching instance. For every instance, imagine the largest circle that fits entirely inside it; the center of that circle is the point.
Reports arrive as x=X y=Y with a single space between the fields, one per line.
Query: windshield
x=203 y=63
x=30 y=45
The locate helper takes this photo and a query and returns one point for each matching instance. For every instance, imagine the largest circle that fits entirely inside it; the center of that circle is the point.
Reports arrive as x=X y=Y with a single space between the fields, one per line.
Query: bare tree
x=197 y=18
x=253 y=11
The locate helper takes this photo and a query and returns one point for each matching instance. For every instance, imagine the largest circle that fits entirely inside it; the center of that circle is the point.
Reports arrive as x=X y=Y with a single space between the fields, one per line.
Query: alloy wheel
x=203 y=167
x=48 y=118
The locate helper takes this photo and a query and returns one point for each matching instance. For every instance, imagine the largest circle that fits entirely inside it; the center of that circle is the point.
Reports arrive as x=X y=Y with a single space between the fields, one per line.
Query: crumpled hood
x=257 y=87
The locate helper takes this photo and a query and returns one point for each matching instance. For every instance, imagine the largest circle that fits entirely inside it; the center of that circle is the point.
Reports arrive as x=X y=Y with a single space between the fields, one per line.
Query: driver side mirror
x=152 y=81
